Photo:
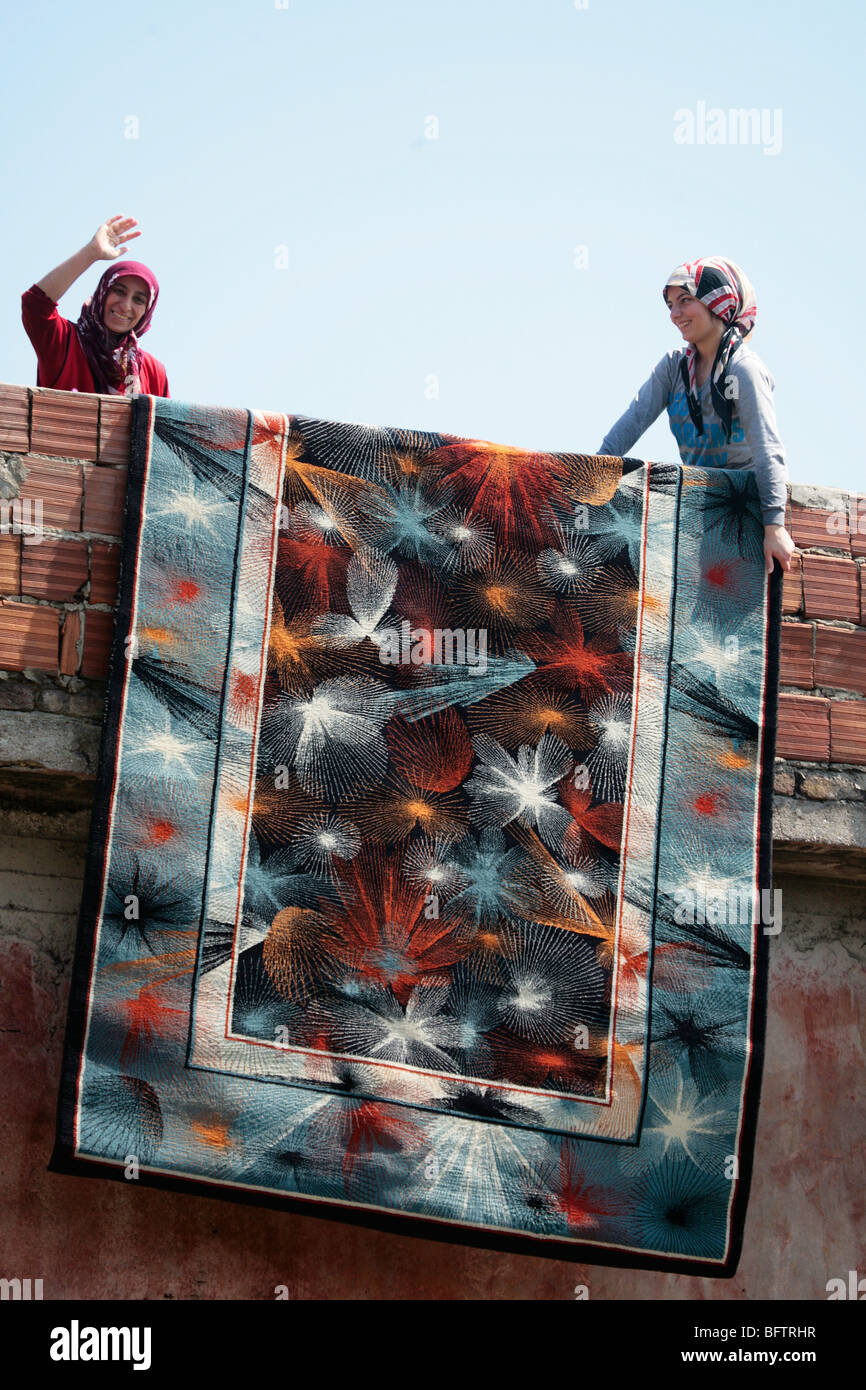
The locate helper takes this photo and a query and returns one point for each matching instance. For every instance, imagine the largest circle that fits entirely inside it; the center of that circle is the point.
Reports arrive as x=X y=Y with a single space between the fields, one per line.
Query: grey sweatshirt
x=754 y=443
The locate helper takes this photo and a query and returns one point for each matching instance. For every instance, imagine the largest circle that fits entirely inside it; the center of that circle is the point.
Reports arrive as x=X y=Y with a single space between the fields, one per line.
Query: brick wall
x=822 y=714
x=57 y=598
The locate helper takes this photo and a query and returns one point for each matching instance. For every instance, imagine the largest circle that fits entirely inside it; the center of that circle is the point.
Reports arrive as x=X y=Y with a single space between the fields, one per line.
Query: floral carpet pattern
x=427 y=881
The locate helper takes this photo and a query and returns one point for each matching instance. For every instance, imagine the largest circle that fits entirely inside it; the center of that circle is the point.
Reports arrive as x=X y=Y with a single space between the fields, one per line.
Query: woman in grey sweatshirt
x=717 y=392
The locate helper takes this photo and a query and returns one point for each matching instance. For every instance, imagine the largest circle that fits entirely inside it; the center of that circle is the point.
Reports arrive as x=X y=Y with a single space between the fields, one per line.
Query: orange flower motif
x=434 y=753
x=504 y=598
x=596 y=667
x=525 y=713
x=516 y=490
x=290 y=950
x=380 y=930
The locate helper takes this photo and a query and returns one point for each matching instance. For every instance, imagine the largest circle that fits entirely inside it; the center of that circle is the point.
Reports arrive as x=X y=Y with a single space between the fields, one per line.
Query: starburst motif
x=522 y=788
x=469 y=538
x=196 y=511
x=323 y=839
x=608 y=760
x=418 y=1033
x=685 y=1119
x=404 y=519
x=573 y=567
x=333 y=739
x=160 y=741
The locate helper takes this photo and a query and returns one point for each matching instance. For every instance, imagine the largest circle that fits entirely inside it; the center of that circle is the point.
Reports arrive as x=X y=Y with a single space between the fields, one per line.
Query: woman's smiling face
x=689 y=315
x=125 y=303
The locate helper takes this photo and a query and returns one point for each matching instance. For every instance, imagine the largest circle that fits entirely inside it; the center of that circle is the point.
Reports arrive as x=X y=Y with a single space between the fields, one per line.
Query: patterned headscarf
x=114 y=358
x=726 y=291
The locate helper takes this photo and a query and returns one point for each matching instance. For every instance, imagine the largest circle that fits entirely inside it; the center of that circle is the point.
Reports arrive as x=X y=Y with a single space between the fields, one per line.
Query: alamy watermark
x=852 y=1288
x=739 y=125
x=852 y=518
x=77 y=1343
x=20 y=1290
x=22 y=516
x=702 y=905
x=409 y=646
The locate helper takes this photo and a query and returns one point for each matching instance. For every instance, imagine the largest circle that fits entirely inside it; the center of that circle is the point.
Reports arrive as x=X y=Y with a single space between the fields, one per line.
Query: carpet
x=429 y=869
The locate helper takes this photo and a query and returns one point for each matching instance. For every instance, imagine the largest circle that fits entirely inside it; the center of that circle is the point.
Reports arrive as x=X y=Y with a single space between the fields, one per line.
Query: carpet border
x=143 y=411
x=65 y=1161
x=762 y=952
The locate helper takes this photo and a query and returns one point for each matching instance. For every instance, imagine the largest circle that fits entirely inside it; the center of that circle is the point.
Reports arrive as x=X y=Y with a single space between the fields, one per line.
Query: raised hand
x=110 y=240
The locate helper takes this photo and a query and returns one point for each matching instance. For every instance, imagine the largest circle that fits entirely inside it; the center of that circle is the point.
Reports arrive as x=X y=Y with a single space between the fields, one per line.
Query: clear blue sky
x=451 y=258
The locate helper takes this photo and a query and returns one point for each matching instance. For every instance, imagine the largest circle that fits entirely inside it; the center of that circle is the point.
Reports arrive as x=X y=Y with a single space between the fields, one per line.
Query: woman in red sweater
x=100 y=352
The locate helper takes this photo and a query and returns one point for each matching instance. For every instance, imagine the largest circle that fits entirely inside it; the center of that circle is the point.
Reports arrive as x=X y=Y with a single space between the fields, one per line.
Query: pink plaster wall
x=101 y=1239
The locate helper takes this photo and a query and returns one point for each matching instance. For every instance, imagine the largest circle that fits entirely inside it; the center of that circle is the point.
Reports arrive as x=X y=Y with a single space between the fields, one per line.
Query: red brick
x=28 y=636
x=840 y=658
x=104 y=499
x=848 y=731
x=59 y=487
x=809 y=526
x=98 y=628
x=796 y=657
x=64 y=424
x=10 y=564
x=862 y=569
x=69 y=642
x=54 y=569
x=14 y=419
x=830 y=588
x=792 y=586
x=857 y=522
x=115 y=421
x=804 y=728
x=104 y=571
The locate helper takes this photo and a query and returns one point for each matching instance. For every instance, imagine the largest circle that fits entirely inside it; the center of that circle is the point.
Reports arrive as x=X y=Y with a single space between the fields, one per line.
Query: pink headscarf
x=114 y=358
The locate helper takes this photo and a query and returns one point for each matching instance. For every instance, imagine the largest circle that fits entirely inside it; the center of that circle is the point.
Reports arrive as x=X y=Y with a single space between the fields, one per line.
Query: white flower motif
x=334 y=738
x=370 y=583
x=505 y=789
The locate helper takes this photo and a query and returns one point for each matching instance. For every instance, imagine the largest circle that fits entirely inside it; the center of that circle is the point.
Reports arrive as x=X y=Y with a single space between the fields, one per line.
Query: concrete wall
x=97 y=1239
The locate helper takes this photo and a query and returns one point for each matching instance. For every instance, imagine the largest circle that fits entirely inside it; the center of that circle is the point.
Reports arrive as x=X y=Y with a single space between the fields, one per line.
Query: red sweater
x=61 y=360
